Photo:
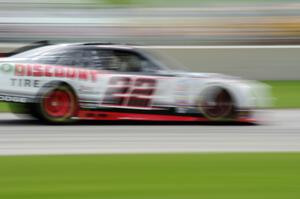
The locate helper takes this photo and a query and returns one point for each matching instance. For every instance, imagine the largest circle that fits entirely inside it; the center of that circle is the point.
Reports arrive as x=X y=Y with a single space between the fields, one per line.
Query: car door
x=134 y=82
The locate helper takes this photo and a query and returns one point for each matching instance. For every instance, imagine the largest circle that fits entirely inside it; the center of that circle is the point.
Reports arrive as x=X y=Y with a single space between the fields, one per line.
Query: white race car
x=66 y=82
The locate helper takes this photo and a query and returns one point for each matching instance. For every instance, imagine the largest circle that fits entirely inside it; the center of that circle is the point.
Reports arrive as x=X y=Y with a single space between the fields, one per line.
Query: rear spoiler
x=26 y=48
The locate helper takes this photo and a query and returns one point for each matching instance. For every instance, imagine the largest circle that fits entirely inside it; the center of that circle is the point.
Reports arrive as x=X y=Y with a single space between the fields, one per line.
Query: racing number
x=126 y=91
x=142 y=92
x=117 y=90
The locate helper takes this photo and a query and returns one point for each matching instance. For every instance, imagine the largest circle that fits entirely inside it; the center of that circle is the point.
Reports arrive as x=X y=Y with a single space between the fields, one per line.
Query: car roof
x=100 y=45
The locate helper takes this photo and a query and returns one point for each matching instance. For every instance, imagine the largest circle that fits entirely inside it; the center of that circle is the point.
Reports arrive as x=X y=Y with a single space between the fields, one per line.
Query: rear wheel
x=217 y=104
x=57 y=104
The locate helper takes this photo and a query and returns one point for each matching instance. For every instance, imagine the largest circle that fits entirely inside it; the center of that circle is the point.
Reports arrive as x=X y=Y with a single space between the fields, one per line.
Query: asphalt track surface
x=279 y=131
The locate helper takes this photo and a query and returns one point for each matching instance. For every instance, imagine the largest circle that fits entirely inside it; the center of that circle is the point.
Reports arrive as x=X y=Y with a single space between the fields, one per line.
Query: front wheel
x=216 y=103
x=57 y=104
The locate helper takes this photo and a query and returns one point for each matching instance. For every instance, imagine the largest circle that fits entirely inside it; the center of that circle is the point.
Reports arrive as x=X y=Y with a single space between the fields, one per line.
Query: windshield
x=163 y=60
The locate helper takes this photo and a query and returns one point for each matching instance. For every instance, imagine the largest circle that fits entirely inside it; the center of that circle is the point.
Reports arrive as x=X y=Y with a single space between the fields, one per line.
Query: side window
x=85 y=57
x=117 y=60
x=64 y=58
x=102 y=59
x=98 y=59
x=127 y=61
x=71 y=58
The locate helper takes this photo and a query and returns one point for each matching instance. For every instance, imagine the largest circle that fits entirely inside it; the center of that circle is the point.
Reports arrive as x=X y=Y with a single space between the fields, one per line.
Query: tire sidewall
x=42 y=113
x=229 y=116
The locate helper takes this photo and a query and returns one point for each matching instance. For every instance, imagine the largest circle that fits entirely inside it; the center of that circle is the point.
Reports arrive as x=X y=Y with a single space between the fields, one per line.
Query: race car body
x=60 y=83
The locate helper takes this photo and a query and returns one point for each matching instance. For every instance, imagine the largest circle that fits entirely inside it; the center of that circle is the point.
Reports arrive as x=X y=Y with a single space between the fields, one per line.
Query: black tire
x=217 y=104
x=56 y=104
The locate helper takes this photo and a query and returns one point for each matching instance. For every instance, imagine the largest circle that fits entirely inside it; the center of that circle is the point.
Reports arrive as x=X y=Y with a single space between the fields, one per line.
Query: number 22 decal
x=126 y=91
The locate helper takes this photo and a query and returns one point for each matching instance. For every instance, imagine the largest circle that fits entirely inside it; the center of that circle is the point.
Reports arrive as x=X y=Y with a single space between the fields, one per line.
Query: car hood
x=204 y=75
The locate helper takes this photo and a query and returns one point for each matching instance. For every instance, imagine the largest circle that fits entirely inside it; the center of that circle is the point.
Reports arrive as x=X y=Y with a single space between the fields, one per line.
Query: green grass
x=173 y=176
x=4 y=107
x=180 y=2
x=286 y=94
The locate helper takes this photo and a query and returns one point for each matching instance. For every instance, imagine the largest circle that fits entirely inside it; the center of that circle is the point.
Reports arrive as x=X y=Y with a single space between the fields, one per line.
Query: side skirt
x=114 y=116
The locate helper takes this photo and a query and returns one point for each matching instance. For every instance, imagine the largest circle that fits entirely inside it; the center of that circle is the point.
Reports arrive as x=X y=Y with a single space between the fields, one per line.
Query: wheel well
x=228 y=90
x=52 y=84
x=38 y=112
x=207 y=96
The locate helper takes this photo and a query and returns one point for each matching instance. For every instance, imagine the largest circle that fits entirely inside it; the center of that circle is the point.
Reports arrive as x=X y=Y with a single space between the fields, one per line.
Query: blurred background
x=189 y=22
x=170 y=24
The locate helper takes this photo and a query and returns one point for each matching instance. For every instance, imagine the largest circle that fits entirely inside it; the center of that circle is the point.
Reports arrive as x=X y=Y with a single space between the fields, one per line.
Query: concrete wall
x=262 y=63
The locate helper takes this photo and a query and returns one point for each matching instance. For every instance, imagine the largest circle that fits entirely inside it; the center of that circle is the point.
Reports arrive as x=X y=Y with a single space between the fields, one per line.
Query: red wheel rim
x=58 y=104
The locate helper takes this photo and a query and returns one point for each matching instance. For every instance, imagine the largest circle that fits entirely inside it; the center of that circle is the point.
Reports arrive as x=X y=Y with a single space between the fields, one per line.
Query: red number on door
x=117 y=90
x=142 y=92
x=125 y=91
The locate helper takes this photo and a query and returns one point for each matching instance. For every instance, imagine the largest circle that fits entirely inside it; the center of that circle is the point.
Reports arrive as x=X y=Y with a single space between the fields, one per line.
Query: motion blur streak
x=196 y=22
x=24 y=137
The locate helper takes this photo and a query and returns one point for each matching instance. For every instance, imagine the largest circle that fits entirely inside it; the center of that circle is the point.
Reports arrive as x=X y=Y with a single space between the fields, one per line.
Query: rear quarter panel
x=27 y=80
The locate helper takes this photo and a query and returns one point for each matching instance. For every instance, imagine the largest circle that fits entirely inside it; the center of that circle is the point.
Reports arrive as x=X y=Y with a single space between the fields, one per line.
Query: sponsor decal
x=16 y=82
x=181 y=95
x=6 y=68
x=38 y=70
x=12 y=99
